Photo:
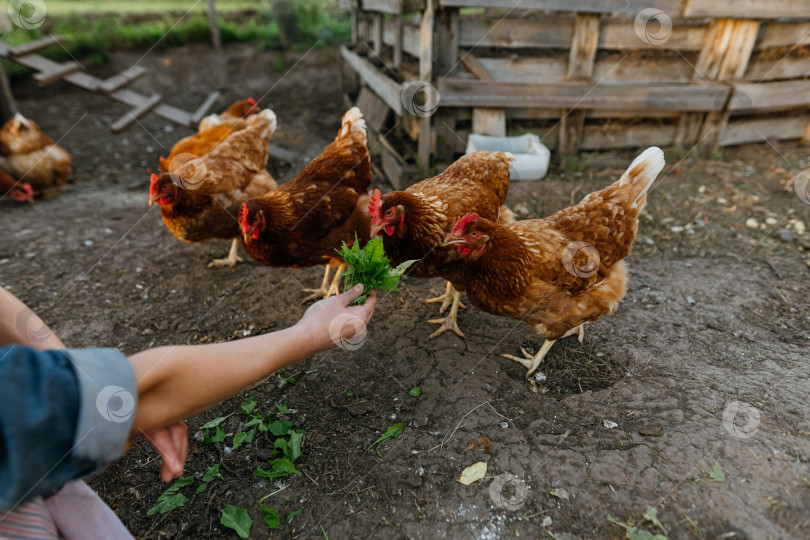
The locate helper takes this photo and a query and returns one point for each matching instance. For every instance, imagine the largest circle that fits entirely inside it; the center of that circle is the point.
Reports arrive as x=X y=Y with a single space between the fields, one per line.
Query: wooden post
x=735 y=62
x=425 y=74
x=581 y=57
x=399 y=27
x=447 y=62
x=379 y=33
x=288 y=29
x=216 y=39
x=707 y=67
x=8 y=108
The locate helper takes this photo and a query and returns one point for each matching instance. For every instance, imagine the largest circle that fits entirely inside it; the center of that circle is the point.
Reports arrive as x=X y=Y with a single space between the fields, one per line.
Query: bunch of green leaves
x=370 y=267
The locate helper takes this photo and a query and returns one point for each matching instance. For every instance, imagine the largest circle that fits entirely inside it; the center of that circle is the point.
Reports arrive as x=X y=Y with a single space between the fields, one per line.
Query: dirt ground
x=702 y=369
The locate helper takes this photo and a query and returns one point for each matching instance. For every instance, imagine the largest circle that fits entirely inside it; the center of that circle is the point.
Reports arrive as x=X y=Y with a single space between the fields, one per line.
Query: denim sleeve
x=64 y=414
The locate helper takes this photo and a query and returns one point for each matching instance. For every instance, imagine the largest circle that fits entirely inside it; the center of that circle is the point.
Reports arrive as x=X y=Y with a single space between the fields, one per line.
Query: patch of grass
x=91 y=35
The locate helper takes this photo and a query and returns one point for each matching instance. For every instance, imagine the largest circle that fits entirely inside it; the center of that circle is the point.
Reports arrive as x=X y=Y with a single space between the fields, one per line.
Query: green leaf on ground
x=215 y=422
x=171 y=498
x=237 y=518
x=271 y=518
x=293 y=514
x=280 y=427
x=717 y=474
x=278 y=468
x=249 y=404
x=391 y=433
x=239 y=439
x=416 y=391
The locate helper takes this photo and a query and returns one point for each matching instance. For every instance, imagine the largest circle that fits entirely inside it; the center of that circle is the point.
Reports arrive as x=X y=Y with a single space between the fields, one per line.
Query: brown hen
x=305 y=220
x=413 y=222
x=31 y=156
x=201 y=199
x=561 y=272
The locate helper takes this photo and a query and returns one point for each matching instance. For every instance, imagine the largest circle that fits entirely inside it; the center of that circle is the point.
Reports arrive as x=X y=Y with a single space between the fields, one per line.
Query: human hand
x=171 y=443
x=331 y=322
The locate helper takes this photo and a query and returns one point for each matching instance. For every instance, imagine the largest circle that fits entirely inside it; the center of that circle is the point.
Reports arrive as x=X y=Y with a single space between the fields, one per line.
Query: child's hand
x=332 y=323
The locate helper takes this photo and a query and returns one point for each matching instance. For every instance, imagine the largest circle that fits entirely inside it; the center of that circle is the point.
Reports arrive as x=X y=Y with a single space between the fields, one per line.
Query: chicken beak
x=153 y=198
x=451 y=239
x=376 y=228
x=249 y=232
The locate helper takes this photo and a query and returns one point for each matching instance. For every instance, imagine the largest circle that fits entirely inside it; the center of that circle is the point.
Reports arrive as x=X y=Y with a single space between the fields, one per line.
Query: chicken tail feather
x=354 y=127
x=642 y=173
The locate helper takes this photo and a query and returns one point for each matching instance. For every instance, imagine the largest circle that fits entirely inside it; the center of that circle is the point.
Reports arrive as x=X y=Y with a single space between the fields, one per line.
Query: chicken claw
x=232 y=258
x=325 y=291
x=449 y=322
x=532 y=362
x=446 y=299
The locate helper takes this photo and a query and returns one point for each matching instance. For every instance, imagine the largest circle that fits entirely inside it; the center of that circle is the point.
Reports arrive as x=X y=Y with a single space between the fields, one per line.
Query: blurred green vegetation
x=95 y=29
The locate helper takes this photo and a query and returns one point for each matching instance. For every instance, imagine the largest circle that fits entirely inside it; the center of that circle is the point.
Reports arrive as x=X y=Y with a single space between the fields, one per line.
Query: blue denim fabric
x=54 y=428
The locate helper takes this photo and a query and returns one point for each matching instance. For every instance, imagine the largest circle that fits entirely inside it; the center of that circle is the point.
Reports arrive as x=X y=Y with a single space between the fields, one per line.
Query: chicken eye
x=474 y=234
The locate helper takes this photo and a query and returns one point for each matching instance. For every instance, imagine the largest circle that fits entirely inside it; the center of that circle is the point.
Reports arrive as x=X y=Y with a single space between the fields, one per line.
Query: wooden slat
x=131 y=116
x=602 y=137
x=773 y=96
x=748 y=9
x=789 y=67
x=378 y=21
x=388 y=90
x=733 y=66
x=581 y=58
x=679 y=97
x=205 y=106
x=410 y=37
x=425 y=74
x=393 y=6
x=45 y=78
x=627 y=7
x=36 y=45
x=374 y=109
x=762 y=129
x=399 y=30
x=489 y=122
x=122 y=79
x=447 y=34
x=475 y=66
x=784 y=35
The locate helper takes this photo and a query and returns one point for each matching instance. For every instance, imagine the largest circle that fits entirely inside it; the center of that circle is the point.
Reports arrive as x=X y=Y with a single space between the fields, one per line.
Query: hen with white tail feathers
x=563 y=271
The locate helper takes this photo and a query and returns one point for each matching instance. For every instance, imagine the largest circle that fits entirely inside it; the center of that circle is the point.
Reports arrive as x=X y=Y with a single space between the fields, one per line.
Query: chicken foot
x=325 y=291
x=232 y=258
x=449 y=322
x=533 y=362
x=446 y=299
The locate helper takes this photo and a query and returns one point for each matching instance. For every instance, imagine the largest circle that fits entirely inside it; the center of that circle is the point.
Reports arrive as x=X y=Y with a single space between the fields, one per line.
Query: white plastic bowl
x=531 y=156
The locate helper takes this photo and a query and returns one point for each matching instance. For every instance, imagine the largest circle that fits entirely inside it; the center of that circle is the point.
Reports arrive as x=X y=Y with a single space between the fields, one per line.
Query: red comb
x=462 y=222
x=374 y=206
x=153 y=185
x=243 y=218
x=253 y=105
x=28 y=190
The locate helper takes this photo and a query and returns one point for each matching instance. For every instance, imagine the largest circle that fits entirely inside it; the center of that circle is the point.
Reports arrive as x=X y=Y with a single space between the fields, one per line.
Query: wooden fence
x=583 y=74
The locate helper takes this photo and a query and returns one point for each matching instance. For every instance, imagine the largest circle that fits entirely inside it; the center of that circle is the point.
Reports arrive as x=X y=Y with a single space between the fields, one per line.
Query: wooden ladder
x=49 y=71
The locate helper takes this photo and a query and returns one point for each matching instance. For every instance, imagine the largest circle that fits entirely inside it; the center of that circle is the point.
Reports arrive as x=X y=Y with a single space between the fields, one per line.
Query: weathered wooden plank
x=45 y=78
x=393 y=6
x=122 y=79
x=447 y=34
x=762 y=129
x=555 y=32
x=374 y=109
x=36 y=45
x=602 y=137
x=399 y=29
x=489 y=122
x=141 y=109
x=425 y=74
x=205 y=106
x=463 y=114
x=771 y=96
x=748 y=9
x=475 y=66
x=581 y=57
x=777 y=34
x=765 y=69
x=627 y=7
x=607 y=69
x=582 y=52
x=457 y=92
x=378 y=20
x=733 y=66
x=410 y=37
x=388 y=90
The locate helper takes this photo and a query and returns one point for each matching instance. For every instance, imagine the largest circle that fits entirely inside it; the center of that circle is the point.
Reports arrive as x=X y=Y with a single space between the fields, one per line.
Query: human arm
x=20 y=325
x=178 y=382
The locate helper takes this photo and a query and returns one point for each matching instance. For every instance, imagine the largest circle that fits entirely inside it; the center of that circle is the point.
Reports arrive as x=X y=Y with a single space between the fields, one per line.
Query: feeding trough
x=531 y=156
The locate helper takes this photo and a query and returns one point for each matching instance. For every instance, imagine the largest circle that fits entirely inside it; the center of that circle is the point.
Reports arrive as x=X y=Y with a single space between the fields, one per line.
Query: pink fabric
x=80 y=514
x=27 y=521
